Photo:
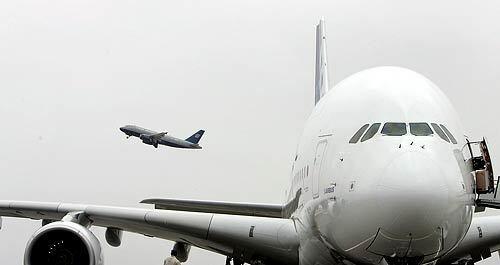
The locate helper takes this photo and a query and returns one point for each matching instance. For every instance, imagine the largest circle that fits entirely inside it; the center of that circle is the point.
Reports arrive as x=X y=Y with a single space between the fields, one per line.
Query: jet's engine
x=182 y=251
x=63 y=243
x=145 y=139
x=148 y=140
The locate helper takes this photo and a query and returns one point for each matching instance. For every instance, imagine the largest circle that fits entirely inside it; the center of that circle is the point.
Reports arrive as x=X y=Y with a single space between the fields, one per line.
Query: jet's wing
x=248 y=209
x=233 y=208
x=157 y=136
x=482 y=239
x=244 y=237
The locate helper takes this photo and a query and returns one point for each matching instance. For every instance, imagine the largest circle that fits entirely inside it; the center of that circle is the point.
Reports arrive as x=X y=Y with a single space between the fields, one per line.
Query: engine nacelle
x=182 y=251
x=148 y=140
x=144 y=137
x=65 y=243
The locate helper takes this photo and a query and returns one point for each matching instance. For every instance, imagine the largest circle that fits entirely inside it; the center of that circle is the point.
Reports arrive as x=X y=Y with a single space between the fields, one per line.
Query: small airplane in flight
x=155 y=138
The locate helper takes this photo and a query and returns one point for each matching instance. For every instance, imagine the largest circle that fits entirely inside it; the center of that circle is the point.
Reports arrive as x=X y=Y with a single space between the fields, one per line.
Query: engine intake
x=63 y=243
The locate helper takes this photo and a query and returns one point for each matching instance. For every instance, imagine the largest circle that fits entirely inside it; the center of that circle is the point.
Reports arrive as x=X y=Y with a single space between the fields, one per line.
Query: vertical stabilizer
x=321 y=78
x=195 y=138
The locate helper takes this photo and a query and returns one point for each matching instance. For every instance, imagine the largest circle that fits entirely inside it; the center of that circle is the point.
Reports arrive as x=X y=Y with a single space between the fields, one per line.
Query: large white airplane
x=383 y=174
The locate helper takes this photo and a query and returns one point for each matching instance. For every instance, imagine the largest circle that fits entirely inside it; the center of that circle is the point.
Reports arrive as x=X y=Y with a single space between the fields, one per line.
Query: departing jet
x=382 y=175
x=155 y=138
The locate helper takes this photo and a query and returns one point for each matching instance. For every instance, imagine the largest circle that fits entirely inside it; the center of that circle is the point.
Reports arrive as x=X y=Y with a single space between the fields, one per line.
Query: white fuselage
x=400 y=197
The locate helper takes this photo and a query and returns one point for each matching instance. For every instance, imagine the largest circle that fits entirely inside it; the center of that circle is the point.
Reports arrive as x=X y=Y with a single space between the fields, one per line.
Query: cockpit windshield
x=358 y=134
x=420 y=129
x=371 y=132
x=394 y=129
x=448 y=133
x=367 y=131
x=440 y=132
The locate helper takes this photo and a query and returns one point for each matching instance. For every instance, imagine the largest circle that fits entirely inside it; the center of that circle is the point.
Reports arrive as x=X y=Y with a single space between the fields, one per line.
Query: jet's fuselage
x=154 y=138
x=400 y=191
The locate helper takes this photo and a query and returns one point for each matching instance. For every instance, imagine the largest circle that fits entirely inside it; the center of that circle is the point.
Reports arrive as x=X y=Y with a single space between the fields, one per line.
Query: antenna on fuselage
x=321 y=77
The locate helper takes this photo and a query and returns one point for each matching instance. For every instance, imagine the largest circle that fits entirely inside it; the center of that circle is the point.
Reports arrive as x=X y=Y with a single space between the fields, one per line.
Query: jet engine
x=182 y=251
x=148 y=140
x=63 y=243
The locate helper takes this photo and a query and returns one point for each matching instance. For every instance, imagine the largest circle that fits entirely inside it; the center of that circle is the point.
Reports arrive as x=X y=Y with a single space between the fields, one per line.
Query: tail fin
x=321 y=78
x=195 y=138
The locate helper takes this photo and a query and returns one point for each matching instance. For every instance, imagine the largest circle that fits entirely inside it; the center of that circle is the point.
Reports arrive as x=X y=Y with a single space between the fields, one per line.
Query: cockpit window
x=371 y=132
x=358 y=134
x=452 y=139
x=394 y=129
x=420 y=129
x=440 y=132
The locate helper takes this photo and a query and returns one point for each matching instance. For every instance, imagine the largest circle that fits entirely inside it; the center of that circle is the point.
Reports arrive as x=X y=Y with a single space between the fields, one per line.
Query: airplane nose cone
x=413 y=194
x=413 y=189
x=122 y=129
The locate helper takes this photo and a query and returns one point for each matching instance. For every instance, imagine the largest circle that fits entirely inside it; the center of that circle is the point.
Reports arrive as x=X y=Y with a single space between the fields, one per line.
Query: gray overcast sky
x=72 y=72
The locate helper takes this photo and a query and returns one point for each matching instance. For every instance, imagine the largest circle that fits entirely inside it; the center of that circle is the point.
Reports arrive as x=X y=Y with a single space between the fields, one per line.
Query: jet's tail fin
x=195 y=138
x=321 y=77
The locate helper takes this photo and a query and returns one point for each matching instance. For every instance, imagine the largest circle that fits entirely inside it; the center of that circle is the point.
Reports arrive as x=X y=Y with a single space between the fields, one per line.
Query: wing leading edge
x=245 y=237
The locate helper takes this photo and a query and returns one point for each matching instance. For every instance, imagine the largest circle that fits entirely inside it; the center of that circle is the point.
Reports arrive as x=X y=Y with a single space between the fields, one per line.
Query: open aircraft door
x=485 y=185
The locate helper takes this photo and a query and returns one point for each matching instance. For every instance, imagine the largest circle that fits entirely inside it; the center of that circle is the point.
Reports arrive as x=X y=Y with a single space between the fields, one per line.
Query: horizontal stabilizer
x=248 y=209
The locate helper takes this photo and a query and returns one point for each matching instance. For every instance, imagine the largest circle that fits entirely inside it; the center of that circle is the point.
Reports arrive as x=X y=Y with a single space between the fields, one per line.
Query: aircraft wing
x=232 y=208
x=245 y=237
x=157 y=136
x=248 y=209
x=482 y=239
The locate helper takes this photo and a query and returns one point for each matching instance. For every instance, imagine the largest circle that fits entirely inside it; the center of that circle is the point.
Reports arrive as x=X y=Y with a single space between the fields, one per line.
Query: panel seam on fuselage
x=209 y=225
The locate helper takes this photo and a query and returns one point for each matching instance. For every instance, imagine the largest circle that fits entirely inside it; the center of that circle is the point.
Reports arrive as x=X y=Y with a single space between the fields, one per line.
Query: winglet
x=195 y=138
x=321 y=78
